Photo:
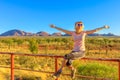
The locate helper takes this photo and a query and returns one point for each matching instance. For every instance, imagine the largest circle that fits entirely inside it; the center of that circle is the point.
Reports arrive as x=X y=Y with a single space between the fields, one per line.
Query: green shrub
x=33 y=46
x=98 y=70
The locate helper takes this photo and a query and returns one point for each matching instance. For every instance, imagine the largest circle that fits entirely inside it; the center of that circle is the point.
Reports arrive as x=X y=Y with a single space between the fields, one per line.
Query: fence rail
x=56 y=64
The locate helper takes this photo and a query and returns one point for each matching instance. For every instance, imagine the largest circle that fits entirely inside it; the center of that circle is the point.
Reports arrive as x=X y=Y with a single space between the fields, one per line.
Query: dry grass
x=44 y=65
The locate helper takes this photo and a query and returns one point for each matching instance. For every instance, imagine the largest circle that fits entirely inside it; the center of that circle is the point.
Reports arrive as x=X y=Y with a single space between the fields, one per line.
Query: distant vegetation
x=36 y=44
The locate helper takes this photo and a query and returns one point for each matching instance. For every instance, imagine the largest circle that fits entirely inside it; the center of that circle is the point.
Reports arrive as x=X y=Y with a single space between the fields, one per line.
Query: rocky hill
x=42 y=33
x=16 y=32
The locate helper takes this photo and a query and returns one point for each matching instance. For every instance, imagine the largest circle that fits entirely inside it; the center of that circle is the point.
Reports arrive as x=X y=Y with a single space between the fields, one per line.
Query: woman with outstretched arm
x=78 y=50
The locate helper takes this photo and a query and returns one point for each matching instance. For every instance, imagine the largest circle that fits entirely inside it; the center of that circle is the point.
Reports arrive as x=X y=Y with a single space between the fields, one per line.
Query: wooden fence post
x=56 y=66
x=12 y=66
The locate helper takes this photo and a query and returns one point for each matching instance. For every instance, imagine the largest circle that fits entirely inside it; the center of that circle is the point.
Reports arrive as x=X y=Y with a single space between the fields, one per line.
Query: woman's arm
x=97 y=29
x=60 y=29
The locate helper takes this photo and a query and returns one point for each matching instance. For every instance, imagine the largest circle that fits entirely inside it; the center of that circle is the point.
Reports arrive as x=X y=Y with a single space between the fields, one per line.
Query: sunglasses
x=79 y=25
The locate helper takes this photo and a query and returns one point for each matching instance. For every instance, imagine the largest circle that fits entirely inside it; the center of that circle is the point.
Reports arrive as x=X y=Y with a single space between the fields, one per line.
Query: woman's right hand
x=52 y=26
x=106 y=27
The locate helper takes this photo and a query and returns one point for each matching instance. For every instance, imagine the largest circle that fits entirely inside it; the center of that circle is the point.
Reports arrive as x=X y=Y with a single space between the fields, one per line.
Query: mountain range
x=16 y=32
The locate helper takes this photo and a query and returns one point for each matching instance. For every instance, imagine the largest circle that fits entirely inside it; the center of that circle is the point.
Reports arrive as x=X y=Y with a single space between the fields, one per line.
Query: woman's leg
x=66 y=59
x=73 y=71
x=63 y=63
x=57 y=74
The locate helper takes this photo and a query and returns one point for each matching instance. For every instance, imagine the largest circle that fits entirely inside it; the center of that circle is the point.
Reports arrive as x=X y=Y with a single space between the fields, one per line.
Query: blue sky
x=36 y=15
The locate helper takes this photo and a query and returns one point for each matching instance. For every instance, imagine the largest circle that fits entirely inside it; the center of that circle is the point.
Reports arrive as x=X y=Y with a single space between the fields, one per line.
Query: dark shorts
x=75 y=55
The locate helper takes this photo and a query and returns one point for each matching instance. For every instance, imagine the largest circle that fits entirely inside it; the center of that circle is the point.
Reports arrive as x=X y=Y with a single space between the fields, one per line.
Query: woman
x=79 y=46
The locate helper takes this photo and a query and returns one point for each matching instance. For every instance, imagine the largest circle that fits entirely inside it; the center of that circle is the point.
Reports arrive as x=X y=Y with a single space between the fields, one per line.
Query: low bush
x=98 y=70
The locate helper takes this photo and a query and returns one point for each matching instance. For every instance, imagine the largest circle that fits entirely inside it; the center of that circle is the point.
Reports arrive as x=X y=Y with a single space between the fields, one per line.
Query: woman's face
x=79 y=27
